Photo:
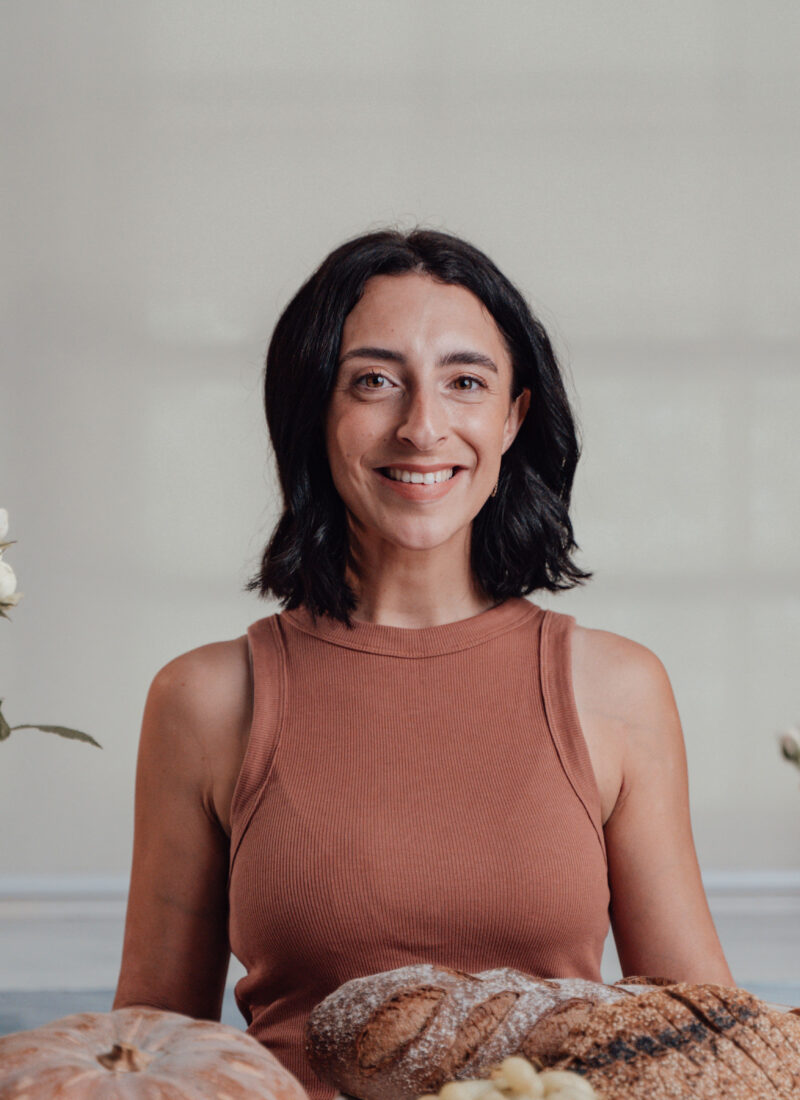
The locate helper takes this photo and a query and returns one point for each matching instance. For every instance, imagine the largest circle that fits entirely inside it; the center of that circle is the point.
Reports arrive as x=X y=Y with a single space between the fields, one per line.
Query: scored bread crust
x=728 y=1035
x=738 y=1017
x=726 y=1070
x=402 y=1033
x=406 y=1032
x=344 y=1031
x=358 y=1038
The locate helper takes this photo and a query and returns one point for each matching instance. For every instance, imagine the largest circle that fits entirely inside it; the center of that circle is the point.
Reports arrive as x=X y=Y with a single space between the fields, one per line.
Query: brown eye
x=371 y=374
x=470 y=378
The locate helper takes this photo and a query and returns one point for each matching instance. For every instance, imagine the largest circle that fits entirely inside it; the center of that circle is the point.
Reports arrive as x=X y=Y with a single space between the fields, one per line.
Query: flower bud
x=8 y=583
x=790 y=745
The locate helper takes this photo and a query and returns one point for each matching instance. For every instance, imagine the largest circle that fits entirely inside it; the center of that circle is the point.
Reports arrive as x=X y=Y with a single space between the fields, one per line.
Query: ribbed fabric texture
x=409 y=796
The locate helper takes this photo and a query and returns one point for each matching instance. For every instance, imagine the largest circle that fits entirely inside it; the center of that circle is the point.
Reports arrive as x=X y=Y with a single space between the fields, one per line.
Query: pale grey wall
x=172 y=171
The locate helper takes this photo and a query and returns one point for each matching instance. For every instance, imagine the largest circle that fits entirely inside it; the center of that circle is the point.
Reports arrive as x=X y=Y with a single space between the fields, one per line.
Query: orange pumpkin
x=137 y=1053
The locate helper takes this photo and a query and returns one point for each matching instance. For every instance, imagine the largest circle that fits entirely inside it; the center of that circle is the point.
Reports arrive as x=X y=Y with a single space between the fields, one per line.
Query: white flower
x=3 y=523
x=9 y=597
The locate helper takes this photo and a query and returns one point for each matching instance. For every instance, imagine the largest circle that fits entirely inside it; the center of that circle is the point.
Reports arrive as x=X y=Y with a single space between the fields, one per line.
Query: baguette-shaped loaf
x=405 y=1032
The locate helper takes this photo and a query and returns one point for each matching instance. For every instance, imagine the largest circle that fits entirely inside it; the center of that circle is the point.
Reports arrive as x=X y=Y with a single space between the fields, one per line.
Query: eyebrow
x=465 y=357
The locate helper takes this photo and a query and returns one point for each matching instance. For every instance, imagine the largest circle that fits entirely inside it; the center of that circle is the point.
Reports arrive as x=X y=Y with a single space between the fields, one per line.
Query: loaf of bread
x=404 y=1033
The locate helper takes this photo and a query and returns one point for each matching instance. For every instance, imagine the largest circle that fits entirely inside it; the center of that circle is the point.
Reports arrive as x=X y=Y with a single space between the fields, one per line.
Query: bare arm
x=659 y=914
x=176 y=952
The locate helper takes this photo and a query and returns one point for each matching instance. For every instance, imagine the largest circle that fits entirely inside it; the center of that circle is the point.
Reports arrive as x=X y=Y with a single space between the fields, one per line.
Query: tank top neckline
x=426 y=641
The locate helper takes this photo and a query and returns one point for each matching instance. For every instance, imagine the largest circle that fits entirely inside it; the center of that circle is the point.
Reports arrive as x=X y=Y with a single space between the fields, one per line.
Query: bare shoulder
x=211 y=681
x=622 y=677
x=206 y=695
x=623 y=697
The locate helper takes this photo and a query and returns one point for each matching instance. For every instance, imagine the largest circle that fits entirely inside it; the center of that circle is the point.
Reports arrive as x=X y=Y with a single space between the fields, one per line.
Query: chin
x=420 y=534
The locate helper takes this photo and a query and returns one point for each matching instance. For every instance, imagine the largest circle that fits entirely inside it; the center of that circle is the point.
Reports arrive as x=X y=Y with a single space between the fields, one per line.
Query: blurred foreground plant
x=9 y=597
x=790 y=745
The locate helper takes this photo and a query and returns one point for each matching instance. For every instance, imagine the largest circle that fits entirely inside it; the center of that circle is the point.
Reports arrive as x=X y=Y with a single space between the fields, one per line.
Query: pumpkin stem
x=125 y=1058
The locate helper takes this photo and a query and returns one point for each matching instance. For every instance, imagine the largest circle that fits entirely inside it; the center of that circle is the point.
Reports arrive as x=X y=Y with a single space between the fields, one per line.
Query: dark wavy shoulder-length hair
x=522 y=539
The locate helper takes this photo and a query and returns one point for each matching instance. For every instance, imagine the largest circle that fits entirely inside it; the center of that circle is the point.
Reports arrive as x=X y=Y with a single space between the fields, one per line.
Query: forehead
x=416 y=308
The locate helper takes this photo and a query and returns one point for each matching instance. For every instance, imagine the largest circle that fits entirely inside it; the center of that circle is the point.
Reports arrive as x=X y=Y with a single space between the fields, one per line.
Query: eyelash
x=377 y=374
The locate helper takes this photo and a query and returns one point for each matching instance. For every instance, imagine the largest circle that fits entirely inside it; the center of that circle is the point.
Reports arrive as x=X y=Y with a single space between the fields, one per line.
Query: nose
x=423 y=420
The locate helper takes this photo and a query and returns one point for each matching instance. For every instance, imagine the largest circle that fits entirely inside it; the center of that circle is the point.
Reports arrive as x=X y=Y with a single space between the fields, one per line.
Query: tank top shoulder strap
x=268 y=668
x=555 y=662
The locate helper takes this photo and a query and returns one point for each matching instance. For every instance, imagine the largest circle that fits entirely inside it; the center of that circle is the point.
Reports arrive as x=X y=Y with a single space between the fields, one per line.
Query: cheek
x=347 y=438
x=356 y=432
x=484 y=427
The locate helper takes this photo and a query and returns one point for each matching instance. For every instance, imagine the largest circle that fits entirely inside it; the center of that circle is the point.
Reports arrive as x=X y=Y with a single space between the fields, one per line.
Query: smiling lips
x=422 y=469
x=415 y=477
x=430 y=489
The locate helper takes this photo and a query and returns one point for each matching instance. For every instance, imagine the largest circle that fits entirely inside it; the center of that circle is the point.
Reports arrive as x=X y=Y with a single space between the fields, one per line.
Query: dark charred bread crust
x=725 y=1066
x=627 y=1051
x=544 y=1036
x=739 y=1017
x=764 y=1023
x=663 y=1045
x=785 y=1066
x=677 y=1070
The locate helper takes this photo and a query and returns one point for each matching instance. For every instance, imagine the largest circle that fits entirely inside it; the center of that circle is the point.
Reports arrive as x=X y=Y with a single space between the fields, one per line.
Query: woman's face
x=424 y=380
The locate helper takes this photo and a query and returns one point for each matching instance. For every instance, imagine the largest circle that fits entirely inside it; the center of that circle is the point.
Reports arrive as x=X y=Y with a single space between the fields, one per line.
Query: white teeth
x=419 y=479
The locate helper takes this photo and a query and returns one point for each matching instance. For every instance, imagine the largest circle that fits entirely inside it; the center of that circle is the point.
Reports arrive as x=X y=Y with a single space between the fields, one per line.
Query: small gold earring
x=494 y=491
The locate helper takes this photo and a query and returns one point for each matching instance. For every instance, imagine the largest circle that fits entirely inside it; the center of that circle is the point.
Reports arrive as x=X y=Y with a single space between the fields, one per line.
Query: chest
x=601 y=741
x=474 y=845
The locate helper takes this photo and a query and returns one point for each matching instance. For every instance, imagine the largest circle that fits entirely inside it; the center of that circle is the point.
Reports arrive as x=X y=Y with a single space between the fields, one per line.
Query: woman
x=410 y=762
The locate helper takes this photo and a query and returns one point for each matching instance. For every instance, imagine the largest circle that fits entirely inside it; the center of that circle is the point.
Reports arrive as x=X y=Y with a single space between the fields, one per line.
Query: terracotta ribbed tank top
x=409 y=796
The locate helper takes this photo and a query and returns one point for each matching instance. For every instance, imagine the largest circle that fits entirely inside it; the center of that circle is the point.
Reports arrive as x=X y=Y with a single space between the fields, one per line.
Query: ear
x=516 y=414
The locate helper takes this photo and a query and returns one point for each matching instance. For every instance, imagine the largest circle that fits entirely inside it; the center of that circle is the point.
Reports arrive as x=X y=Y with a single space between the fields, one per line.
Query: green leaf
x=5 y=729
x=62 y=731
